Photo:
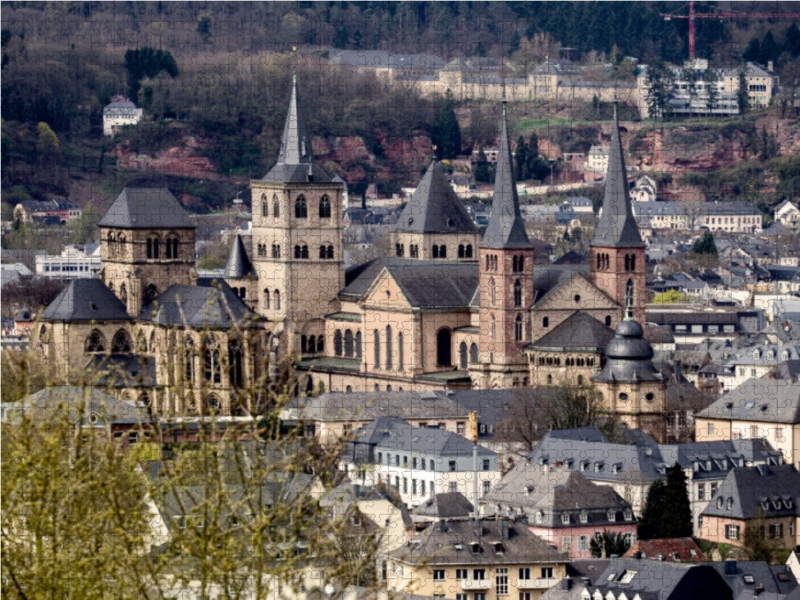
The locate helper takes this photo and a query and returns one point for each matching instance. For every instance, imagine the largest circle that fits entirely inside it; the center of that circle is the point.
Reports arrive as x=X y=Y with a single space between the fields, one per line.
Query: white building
x=597 y=159
x=418 y=462
x=118 y=113
x=74 y=262
x=788 y=215
x=645 y=190
x=755 y=362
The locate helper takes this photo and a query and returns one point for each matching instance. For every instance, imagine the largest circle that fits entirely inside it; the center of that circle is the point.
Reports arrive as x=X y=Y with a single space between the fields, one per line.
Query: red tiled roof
x=672 y=549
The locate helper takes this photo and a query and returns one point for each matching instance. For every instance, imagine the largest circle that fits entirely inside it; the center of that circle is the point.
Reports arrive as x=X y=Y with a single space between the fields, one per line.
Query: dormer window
x=756 y=354
x=719 y=502
x=565 y=519
x=729 y=505
x=612 y=516
x=628 y=514
x=539 y=516
x=765 y=504
x=584 y=517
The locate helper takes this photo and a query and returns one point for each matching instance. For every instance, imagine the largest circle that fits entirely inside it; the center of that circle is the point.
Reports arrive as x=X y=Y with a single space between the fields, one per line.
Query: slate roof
x=617 y=227
x=347 y=493
x=86 y=300
x=628 y=356
x=147 y=208
x=580 y=330
x=672 y=549
x=533 y=488
x=122 y=370
x=434 y=207
x=93 y=401
x=760 y=571
x=295 y=161
x=439 y=545
x=426 y=284
x=396 y=434
x=571 y=258
x=547 y=278
x=506 y=228
x=239 y=265
x=762 y=400
x=210 y=303
x=750 y=487
x=450 y=505
x=644 y=462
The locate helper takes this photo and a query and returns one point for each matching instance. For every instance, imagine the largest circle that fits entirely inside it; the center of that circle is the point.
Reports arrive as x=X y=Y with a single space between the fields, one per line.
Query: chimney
x=770 y=66
x=566 y=583
x=503 y=527
x=730 y=567
x=757 y=590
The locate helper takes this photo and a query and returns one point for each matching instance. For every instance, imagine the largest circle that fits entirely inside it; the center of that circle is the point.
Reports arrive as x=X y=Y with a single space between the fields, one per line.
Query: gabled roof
x=450 y=505
x=239 y=265
x=617 y=227
x=210 y=303
x=86 y=300
x=758 y=400
x=147 y=208
x=92 y=400
x=506 y=228
x=547 y=278
x=296 y=161
x=747 y=490
x=672 y=549
x=434 y=207
x=580 y=330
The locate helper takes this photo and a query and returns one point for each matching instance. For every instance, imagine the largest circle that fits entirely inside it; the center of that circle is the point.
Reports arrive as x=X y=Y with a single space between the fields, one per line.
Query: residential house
x=389 y=66
x=75 y=261
x=445 y=506
x=561 y=506
x=783 y=279
x=119 y=113
x=469 y=560
x=694 y=323
x=597 y=159
x=683 y=550
x=629 y=468
x=12 y=272
x=580 y=204
x=764 y=496
x=788 y=215
x=644 y=190
x=756 y=362
x=645 y=579
x=757 y=579
x=719 y=217
x=419 y=462
x=758 y=409
x=59 y=210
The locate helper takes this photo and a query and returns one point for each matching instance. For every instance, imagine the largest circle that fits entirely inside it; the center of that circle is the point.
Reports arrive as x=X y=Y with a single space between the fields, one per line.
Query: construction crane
x=720 y=15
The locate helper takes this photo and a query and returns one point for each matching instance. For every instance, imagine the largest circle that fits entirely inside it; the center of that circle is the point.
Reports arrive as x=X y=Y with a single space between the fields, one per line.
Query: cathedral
x=451 y=308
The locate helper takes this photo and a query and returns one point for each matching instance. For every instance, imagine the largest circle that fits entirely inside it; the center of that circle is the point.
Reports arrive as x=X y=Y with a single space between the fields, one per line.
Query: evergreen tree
x=792 y=43
x=752 y=52
x=660 y=87
x=705 y=244
x=649 y=525
x=513 y=45
x=480 y=50
x=521 y=159
x=482 y=172
x=676 y=520
x=712 y=93
x=449 y=132
x=770 y=49
x=742 y=95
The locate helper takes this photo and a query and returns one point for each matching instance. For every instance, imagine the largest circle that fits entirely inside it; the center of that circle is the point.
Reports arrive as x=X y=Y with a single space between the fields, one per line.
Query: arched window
x=330 y=253
x=517 y=293
x=629 y=293
x=462 y=355
x=545 y=321
x=95 y=342
x=580 y=379
x=443 y=348
x=324 y=208
x=121 y=342
x=297 y=251
x=266 y=299
x=171 y=246
x=262 y=251
x=493 y=328
x=276 y=297
x=303 y=344
x=141 y=343
x=599 y=260
x=442 y=251
x=242 y=293
x=235 y=361
x=518 y=328
x=435 y=251
x=322 y=253
x=349 y=351
x=276 y=207
x=337 y=342
x=627 y=262
x=549 y=380
x=376 y=335
x=156 y=248
x=400 y=355
x=461 y=251
x=123 y=294
x=399 y=250
x=468 y=253
x=300 y=208
x=633 y=262
x=389 y=356
x=212 y=371
x=276 y=250
x=121 y=245
x=304 y=252
x=608 y=320
x=473 y=353
x=153 y=341
x=111 y=245
x=321 y=343
x=264 y=206
x=492 y=292
x=149 y=247
x=358 y=344
x=348 y=389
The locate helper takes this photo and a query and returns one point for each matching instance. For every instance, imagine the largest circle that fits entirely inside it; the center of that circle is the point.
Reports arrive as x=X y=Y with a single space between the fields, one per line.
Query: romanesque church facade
x=450 y=309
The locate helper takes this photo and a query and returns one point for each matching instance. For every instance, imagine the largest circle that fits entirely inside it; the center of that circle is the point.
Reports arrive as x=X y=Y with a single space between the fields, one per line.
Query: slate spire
x=617 y=227
x=239 y=265
x=296 y=161
x=506 y=228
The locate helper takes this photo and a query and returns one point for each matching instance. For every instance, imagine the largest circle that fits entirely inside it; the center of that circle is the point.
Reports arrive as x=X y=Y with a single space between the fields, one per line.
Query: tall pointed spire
x=617 y=227
x=239 y=265
x=296 y=161
x=506 y=228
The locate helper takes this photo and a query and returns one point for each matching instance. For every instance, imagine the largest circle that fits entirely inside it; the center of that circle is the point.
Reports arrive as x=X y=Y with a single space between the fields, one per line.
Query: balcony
x=476 y=584
x=536 y=584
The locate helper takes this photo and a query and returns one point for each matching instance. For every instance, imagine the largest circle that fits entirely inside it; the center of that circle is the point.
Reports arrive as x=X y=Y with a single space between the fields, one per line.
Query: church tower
x=506 y=281
x=297 y=235
x=147 y=245
x=617 y=251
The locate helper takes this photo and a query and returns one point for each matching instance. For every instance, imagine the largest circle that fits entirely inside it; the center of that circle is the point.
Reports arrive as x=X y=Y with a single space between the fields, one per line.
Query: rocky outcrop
x=177 y=160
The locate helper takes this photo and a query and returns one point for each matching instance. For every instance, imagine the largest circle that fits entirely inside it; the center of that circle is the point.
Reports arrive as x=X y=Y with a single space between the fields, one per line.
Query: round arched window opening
x=649 y=397
x=623 y=396
x=577 y=298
